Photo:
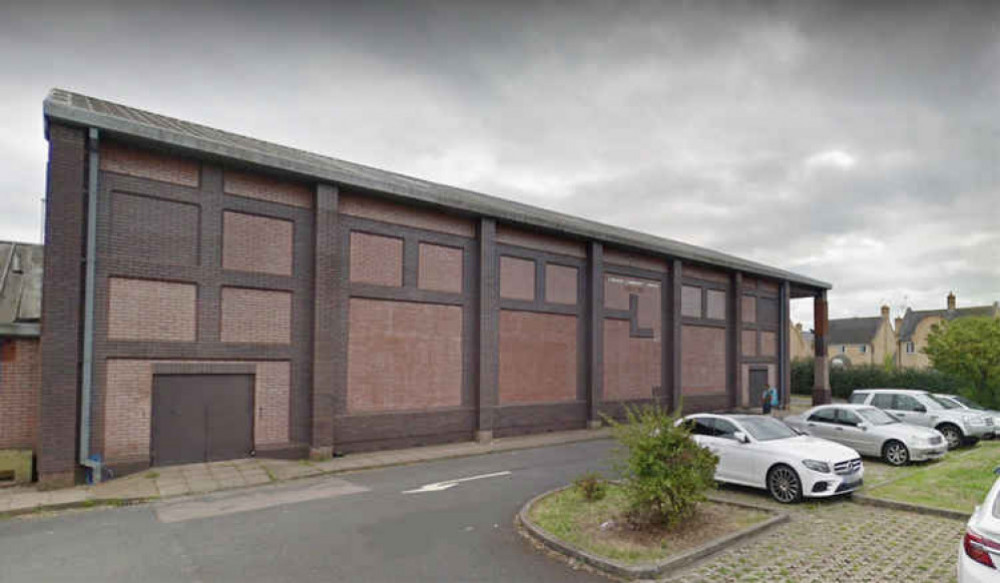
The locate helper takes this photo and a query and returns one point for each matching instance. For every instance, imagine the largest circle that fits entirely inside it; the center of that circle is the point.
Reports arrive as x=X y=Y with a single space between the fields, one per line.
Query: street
x=352 y=527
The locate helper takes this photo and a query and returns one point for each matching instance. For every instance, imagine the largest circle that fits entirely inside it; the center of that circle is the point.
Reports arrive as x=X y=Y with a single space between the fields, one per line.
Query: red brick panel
x=403 y=356
x=20 y=386
x=256 y=316
x=705 y=274
x=272 y=388
x=141 y=309
x=560 y=284
x=631 y=365
x=538 y=357
x=768 y=344
x=512 y=236
x=716 y=308
x=122 y=159
x=617 y=257
x=254 y=243
x=749 y=309
x=749 y=341
x=377 y=260
x=154 y=230
x=768 y=286
x=703 y=360
x=517 y=278
x=440 y=268
x=267 y=188
x=691 y=301
x=376 y=209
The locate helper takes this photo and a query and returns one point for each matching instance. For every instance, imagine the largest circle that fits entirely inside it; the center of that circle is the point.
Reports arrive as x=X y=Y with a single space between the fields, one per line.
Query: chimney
x=951 y=301
x=885 y=313
x=899 y=324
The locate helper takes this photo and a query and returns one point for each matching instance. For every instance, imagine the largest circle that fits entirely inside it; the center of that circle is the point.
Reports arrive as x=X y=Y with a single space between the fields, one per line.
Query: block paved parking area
x=836 y=540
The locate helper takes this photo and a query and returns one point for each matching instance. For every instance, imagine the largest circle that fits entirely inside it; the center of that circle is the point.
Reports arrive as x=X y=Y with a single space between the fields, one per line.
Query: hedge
x=844 y=380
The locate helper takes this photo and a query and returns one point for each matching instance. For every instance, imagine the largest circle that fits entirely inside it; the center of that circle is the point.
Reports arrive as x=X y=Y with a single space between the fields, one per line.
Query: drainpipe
x=88 y=308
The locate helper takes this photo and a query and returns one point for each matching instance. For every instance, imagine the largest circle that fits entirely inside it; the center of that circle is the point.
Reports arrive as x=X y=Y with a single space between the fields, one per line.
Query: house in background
x=914 y=327
x=801 y=344
x=20 y=361
x=855 y=341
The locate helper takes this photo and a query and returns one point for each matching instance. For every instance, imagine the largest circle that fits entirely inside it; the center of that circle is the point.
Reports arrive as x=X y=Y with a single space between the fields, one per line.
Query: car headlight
x=817 y=466
x=920 y=440
x=973 y=420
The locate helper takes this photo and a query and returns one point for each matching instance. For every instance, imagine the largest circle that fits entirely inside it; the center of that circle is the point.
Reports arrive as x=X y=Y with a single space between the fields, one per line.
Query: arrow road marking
x=439 y=486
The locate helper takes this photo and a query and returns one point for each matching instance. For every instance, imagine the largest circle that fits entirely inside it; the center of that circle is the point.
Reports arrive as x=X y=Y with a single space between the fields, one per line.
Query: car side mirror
x=862 y=426
x=741 y=437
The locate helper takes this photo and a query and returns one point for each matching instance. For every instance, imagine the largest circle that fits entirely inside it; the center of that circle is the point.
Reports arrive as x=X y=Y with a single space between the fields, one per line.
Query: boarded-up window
x=716 y=308
x=767 y=311
x=691 y=301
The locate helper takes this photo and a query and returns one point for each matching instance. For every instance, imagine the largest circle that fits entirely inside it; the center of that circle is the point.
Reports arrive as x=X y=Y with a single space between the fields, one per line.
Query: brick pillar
x=489 y=331
x=327 y=296
x=736 y=340
x=595 y=332
x=62 y=304
x=821 y=371
x=674 y=334
x=784 y=347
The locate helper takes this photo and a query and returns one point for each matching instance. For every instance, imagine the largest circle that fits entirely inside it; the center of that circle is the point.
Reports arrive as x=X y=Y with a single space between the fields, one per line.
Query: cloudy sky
x=854 y=143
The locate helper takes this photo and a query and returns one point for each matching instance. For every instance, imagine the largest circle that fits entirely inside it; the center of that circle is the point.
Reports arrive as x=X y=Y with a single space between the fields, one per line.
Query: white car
x=979 y=551
x=763 y=452
x=871 y=432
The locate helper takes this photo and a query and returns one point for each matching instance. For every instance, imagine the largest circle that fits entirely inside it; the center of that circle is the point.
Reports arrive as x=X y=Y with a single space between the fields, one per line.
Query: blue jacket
x=773 y=394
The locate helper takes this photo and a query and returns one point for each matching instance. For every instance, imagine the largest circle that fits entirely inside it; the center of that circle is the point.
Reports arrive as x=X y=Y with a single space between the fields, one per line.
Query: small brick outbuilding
x=251 y=299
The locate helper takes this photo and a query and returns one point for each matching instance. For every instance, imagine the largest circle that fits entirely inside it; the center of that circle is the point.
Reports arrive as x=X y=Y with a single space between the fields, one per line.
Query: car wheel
x=784 y=484
x=952 y=434
x=895 y=453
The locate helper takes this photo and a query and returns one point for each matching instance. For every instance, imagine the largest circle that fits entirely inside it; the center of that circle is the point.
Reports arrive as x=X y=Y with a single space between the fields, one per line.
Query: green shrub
x=664 y=472
x=592 y=486
x=844 y=380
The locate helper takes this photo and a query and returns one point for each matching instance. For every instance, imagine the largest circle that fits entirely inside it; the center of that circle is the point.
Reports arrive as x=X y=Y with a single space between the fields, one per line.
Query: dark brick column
x=62 y=304
x=736 y=340
x=595 y=336
x=821 y=372
x=327 y=301
x=489 y=330
x=784 y=357
x=673 y=333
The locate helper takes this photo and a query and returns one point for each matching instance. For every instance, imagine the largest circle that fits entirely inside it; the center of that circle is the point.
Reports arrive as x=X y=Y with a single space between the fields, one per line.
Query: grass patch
x=569 y=517
x=152 y=475
x=960 y=481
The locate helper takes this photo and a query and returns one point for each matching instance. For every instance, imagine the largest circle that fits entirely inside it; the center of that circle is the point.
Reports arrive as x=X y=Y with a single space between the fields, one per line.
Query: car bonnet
x=808 y=447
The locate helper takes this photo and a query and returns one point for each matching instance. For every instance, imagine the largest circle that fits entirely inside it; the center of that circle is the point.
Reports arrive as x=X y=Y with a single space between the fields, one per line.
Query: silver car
x=872 y=432
x=921 y=408
x=961 y=402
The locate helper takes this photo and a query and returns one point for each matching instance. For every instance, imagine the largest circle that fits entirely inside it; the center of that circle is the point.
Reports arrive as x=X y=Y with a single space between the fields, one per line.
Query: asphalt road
x=352 y=527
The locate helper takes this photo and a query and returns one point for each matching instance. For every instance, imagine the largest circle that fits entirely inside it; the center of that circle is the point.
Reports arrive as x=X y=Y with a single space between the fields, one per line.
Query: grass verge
x=957 y=482
x=566 y=515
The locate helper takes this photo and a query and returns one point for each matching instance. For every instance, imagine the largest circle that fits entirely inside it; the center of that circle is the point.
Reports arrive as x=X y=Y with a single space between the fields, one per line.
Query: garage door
x=198 y=418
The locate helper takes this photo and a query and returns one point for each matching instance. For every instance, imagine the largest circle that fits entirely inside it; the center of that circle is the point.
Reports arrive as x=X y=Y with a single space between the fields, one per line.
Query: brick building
x=241 y=297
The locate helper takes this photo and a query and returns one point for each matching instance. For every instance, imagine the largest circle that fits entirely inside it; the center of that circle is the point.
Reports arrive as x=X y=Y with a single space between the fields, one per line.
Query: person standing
x=769 y=399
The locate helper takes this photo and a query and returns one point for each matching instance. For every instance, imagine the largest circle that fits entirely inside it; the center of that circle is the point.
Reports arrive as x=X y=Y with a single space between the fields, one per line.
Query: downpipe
x=92 y=463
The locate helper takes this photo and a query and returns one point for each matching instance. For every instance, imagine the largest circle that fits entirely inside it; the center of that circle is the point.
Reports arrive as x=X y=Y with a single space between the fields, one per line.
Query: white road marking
x=439 y=486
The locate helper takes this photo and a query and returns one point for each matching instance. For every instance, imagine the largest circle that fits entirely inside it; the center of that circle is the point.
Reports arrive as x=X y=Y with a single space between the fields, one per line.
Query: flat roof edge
x=422 y=191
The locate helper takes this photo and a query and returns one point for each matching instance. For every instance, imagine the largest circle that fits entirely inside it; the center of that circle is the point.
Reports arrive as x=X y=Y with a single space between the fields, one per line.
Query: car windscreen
x=876 y=416
x=969 y=404
x=766 y=428
x=945 y=403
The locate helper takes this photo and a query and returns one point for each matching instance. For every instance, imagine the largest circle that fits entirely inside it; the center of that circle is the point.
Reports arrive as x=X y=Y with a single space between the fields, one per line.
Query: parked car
x=979 y=551
x=872 y=432
x=921 y=408
x=763 y=452
x=961 y=402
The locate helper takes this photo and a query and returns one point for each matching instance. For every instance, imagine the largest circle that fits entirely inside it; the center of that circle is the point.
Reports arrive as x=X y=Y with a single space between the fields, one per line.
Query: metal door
x=198 y=418
x=758 y=381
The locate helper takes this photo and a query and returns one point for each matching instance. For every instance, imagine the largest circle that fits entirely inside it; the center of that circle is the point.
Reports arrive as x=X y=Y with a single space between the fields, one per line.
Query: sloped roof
x=853 y=330
x=913 y=317
x=134 y=123
x=20 y=289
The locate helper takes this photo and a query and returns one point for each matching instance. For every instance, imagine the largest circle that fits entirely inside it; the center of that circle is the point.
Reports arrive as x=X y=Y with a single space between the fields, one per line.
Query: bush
x=845 y=380
x=664 y=472
x=591 y=486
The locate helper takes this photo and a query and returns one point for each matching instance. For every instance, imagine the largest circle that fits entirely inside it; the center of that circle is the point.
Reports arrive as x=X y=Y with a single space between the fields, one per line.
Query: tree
x=969 y=349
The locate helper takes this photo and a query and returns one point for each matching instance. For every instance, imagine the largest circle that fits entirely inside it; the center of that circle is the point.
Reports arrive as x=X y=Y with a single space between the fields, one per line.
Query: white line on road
x=439 y=486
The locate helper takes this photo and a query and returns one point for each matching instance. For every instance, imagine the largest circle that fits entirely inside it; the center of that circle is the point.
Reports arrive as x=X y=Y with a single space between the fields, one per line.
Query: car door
x=909 y=410
x=703 y=432
x=738 y=456
x=822 y=423
x=851 y=434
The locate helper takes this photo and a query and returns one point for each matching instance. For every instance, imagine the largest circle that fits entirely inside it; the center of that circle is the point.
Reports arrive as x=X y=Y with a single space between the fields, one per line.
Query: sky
x=857 y=143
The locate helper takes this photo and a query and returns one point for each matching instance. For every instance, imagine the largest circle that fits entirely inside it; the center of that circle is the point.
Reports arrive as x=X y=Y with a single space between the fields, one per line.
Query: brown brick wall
x=618 y=257
x=768 y=344
x=403 y=356
x=439 y=268
x=560 y=284
x=517 y=278
x=124 y=159
x=632 y=365
x=749 y=341
x=254 y=243
x=368 y=207
x=377 y=260
x=512 y=236
x=256 y=316
x=703 y=360
x=716 y=308
x=691 y=300
x=267 y=188
x=538 y=357
x=141 y=309
x=20 y=386
x=705 y=274
x=128 y=403
x=154 y=230
x=749 y=309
